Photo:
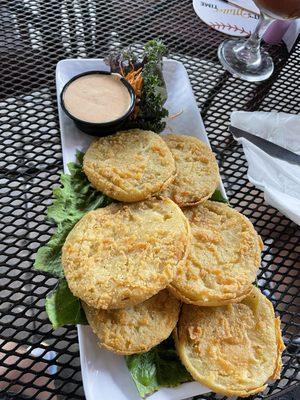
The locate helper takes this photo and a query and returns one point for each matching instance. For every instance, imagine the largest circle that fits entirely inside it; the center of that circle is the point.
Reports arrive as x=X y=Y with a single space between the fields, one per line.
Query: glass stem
x=249 y=51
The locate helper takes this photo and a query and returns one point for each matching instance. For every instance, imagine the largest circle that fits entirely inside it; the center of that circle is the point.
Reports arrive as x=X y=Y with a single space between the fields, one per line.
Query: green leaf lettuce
x=72 y=200
x=217 y=196
x=48 y=257
x=63 y=307
x=158 y=367
x=75 y=197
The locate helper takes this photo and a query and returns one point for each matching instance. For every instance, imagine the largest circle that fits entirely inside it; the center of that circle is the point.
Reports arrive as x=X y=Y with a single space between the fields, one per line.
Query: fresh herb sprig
x=145 y=75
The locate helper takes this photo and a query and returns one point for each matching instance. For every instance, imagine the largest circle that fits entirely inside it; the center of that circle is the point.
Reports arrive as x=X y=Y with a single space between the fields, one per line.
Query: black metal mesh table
x=36 y=362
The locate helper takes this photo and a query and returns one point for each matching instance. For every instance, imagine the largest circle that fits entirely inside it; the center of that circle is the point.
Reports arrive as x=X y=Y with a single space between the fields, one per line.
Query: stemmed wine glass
x=244 y=58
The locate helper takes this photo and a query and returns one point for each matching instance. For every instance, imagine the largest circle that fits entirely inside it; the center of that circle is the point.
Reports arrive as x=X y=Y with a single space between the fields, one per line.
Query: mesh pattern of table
x=36 y=362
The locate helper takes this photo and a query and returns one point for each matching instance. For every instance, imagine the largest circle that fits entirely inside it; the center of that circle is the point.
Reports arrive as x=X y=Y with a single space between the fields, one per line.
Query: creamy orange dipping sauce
x=97 y=98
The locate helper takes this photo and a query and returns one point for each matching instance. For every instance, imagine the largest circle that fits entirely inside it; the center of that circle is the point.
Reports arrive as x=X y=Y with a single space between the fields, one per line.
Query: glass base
x=242 y=63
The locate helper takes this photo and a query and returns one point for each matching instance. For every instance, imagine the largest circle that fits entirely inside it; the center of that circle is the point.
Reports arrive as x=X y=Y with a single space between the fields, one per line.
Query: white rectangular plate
x=105 y=375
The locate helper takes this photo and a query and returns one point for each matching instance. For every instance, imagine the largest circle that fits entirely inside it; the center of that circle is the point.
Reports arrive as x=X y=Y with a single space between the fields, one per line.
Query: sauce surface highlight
x=97 y=98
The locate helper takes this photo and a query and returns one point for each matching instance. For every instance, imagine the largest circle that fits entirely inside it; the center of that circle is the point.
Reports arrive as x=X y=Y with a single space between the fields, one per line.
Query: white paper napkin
x=278 y=179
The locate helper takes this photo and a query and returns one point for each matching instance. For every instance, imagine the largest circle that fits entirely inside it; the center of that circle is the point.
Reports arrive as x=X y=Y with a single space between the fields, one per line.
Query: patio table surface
x=35 y=361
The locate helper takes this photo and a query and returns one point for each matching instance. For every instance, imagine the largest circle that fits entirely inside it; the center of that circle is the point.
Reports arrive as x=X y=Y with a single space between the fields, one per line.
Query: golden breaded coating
x=235 y=349
x=135 y=329
x=130 y=165
x=197 y=170
x=123 y=254
x=224 y=257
